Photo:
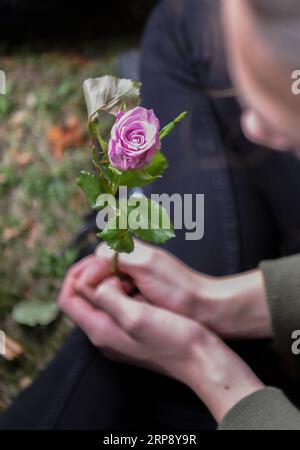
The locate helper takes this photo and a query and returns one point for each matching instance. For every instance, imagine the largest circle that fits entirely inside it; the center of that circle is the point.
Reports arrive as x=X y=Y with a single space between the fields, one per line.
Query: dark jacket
x=252 y=207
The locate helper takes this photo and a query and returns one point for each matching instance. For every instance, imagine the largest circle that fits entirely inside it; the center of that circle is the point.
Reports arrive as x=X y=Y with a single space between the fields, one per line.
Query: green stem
x=115 y=264
x=115 y=267
x=115 y=184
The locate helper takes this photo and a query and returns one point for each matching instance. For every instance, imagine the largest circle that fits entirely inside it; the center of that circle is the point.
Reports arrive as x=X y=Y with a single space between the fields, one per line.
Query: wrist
x=234 y=306
x=219 y=377
x=248 y=299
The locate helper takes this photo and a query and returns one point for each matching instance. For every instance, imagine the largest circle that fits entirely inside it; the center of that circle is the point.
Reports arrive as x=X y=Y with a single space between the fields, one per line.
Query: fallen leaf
x=35 y=312
x=68 y=135
x=22 y=158
x=18 y=119
x=10 y=233
x=33 y=236
x=25 y=382
x=13 y=349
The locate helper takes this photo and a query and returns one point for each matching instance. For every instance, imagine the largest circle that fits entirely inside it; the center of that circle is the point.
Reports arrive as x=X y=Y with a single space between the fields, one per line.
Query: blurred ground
x=43 y=146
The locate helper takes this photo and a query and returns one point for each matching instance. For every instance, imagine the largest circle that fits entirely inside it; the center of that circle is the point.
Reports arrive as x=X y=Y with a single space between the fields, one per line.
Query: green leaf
x=115 y=171
x=147 y=175
x=96 y=160
x=136 y=178
x=171 y=126
x=104 y=182
x=102 y=141
x=158 y=165
x=91 y=186
x=95 y=132
x=109 y=174
x=155 y=227
x=152 y=225
x=35 y=312
x=118 y=240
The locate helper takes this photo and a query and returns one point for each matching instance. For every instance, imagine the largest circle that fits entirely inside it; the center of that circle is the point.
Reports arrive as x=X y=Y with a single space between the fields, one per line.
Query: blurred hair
x=279 y=22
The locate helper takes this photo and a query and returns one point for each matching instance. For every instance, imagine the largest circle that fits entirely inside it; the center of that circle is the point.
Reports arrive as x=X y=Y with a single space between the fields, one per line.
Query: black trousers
x=251 y=214
x=81 y=389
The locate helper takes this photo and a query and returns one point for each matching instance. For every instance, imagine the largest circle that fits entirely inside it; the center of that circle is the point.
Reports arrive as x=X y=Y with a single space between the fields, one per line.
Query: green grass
x=41 y=207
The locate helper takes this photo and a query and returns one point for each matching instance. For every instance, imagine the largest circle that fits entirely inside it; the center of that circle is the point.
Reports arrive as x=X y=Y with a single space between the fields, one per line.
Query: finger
x=100 y=269
x=87 y=292
x=140 y=298
x=101 y=329
x=80 y=312
x=133 y=264
x=104 y=251
x=96 y=272
x=90 y=294
x=74 y=272
x=77 y=268
x=128 y=313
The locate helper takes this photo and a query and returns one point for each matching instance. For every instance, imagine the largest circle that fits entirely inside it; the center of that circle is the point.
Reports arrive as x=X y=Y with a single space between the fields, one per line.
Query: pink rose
x=134 y=139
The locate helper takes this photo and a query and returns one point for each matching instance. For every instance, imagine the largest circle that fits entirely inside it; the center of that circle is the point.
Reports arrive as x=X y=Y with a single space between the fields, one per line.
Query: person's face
x=271 y=114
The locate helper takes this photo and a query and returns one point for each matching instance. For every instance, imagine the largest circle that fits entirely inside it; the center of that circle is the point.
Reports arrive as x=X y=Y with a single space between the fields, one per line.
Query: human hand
x=148 y=336
x=130 y=327
x=233 y=307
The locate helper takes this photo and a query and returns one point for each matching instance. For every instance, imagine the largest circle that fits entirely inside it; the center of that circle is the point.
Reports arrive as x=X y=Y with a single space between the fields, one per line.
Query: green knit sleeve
x=266 y=409
x=282 y=280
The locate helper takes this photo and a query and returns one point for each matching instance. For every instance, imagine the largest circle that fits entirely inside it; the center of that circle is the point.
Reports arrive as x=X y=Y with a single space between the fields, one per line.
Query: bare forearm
x=234 y=307
x=220 y=378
